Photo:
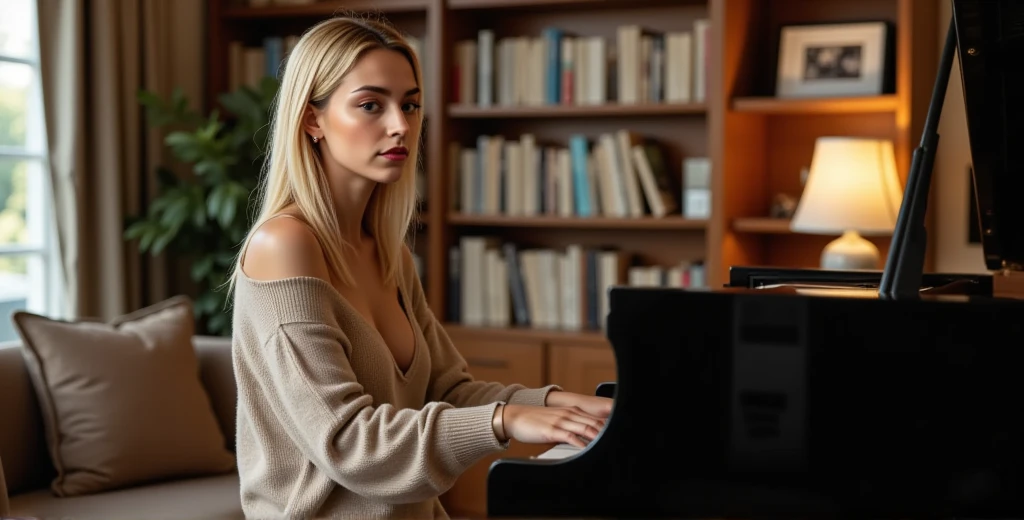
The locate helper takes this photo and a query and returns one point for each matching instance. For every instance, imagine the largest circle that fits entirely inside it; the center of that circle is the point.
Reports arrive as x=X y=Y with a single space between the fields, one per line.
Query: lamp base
x=850 y=251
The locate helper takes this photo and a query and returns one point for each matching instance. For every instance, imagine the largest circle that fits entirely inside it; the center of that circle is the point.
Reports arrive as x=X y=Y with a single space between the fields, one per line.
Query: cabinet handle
x=489 y=363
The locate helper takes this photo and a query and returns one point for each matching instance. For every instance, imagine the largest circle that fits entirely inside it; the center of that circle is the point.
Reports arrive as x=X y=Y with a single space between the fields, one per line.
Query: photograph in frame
x=832 y=60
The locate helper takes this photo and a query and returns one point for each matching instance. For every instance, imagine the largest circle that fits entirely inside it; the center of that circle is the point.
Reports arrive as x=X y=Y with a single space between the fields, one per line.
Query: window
x=29 y=266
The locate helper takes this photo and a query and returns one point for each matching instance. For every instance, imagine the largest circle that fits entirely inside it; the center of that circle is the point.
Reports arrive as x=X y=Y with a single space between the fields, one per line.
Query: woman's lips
x=395 y=155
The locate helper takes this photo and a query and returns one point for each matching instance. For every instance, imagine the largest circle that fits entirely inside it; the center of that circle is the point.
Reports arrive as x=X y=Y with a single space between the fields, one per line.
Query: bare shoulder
x=284 y=248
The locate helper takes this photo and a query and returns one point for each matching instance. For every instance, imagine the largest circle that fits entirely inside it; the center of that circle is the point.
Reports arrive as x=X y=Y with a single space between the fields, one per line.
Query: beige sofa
x=27 y=469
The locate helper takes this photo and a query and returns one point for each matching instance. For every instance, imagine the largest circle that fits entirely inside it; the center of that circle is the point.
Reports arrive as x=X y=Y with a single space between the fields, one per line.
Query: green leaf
x=136 y=230
x=244 y=104
x=201 y=268
x=199 y=214
x=163 y=240
x=177 y=212
x=147 y=238
x=184 y=145
x=216 y=199
x=210 y=167
x=227 y=211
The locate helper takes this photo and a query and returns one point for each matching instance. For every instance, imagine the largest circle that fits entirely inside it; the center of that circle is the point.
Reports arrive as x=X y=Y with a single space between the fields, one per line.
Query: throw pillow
x=122 y=402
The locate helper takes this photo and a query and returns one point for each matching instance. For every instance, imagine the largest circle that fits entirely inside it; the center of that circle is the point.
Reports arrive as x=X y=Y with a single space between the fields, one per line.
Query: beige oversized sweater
x=328 y=426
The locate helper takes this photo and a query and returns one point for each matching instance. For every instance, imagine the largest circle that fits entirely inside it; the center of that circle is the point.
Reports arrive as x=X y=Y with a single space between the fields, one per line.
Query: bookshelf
x=777 y=135
x=755 y=142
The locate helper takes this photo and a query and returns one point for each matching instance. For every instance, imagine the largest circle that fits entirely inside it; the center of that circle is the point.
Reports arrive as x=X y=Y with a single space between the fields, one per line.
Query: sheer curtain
x=94 y=57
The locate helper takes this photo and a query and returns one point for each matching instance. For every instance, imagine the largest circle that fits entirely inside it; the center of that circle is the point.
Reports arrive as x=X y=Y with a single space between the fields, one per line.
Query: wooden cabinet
x=505 y=362
x=580 y=368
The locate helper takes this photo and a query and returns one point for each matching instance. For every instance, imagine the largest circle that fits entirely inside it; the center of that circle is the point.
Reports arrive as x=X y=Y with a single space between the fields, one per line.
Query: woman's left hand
x=591 y=404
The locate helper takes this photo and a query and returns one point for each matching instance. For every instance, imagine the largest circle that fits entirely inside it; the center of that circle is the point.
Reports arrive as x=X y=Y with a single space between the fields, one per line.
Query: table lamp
x=852 y=189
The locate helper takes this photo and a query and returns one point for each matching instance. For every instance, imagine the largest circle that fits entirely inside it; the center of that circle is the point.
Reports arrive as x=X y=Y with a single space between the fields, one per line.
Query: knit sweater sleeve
x=450 y=380
x=380 y=452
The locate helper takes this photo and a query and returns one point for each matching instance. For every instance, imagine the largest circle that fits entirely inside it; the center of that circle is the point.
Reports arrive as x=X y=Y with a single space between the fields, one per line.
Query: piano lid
x=990 y=45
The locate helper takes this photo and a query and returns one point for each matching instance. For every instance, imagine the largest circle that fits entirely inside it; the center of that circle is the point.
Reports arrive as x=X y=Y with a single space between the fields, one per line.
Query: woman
x=352 y=399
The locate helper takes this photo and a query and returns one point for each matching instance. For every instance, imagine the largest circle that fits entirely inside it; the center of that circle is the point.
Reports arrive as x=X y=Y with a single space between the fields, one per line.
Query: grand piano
x=884 y=395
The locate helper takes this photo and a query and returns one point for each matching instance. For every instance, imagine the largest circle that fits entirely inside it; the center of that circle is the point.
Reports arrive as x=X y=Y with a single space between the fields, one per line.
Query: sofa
x=27 y=469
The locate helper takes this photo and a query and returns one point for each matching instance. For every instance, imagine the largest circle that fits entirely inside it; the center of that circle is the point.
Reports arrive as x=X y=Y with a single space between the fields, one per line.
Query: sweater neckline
x=405 y=303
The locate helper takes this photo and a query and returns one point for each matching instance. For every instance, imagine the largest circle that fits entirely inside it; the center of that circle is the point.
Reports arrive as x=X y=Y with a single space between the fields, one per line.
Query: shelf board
x=669 y=222
x=322 y=8
x=546 y=4
x=460 y=111
x=592 y=337
x=762 y=225
x=838 y=105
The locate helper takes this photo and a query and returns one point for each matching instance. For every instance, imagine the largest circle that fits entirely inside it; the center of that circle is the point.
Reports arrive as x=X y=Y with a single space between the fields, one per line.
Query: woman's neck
x=351 y=193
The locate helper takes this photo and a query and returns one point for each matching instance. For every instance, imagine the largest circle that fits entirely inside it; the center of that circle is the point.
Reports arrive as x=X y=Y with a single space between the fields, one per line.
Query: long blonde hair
x=293 y=173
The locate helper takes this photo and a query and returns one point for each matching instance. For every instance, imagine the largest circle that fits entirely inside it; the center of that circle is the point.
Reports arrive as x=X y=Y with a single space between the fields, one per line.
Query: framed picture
x=842 y=59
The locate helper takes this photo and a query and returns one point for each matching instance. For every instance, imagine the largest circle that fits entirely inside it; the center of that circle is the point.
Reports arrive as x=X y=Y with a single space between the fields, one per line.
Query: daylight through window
x=28 y=261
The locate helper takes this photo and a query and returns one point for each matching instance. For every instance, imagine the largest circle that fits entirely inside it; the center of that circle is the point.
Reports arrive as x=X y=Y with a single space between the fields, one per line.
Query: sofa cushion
x=122 y=403
x=215 y=497
x=4 y=506
x=22 y=437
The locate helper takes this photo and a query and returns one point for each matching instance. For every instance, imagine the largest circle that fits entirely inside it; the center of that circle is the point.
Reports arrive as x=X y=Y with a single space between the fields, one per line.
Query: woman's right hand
x=545 y=424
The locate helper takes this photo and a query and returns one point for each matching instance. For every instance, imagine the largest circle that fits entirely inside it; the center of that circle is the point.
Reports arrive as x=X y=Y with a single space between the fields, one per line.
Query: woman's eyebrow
x=384 y=91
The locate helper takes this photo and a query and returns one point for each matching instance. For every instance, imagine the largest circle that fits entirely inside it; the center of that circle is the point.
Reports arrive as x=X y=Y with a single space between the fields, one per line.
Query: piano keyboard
x=560 y=451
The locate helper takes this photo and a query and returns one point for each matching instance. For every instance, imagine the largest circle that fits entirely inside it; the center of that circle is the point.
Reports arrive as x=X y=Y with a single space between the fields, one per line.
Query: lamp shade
x=852 y=186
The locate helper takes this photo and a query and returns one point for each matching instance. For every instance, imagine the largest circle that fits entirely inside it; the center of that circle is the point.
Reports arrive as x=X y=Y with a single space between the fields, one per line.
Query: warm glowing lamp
x=852 y=190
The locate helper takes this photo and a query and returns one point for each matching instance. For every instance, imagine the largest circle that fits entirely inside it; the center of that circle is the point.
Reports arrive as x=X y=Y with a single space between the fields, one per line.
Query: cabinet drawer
x=504 y=362
x=580 y=368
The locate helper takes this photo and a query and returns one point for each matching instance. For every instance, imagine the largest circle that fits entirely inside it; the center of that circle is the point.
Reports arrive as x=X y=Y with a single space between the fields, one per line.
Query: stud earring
x=315 y=139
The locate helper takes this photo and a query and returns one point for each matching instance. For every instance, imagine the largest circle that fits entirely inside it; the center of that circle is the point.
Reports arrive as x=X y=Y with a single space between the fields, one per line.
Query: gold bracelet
x=500 y=425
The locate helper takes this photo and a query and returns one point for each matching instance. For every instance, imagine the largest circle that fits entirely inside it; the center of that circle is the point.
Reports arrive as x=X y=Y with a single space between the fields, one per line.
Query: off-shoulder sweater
x=329 y=426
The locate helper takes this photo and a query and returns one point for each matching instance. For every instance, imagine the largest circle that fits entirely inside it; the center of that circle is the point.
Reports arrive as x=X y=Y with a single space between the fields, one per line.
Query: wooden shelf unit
x=460 y=111
x=757 y=145
x=598 y=223
x=761 y=143
x=761 y=225
x=885 y=103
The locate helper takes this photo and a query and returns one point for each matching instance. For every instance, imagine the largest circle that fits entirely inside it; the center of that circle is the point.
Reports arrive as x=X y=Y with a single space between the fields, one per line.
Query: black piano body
x=795 y=402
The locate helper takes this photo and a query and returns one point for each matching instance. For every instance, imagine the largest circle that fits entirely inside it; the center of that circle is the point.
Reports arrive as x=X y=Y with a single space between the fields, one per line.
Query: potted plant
x=204 y=217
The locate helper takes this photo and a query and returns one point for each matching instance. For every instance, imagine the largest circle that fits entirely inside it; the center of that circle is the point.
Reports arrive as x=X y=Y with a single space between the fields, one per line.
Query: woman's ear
x=311 y=121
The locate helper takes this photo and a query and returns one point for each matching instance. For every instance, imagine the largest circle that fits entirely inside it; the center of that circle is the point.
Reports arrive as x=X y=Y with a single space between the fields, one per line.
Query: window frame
x=46 y=250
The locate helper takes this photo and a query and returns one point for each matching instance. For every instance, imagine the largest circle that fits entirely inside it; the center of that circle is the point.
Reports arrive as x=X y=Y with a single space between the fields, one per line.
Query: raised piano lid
x=740 y=403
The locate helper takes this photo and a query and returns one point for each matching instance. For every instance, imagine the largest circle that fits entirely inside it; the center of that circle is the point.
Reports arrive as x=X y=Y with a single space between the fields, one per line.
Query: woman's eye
x=370 y=106
x=410 y=107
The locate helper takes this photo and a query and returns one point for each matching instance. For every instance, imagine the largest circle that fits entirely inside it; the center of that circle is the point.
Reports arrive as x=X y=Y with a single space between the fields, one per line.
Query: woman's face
x=372 y=119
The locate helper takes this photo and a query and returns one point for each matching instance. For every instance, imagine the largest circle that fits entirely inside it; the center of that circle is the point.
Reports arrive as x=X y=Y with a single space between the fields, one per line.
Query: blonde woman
x=352 y=400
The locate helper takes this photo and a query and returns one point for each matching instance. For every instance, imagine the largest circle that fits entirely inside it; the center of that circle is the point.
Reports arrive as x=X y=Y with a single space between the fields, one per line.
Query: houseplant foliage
x=204 y=216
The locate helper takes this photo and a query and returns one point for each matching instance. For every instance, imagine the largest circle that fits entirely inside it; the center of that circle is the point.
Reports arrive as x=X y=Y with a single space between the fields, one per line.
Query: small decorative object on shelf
x=783 y=206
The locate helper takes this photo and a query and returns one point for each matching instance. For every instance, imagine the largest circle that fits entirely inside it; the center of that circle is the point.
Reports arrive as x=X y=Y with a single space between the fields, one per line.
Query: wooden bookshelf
x=840 y=105
x=756 y=142
x=761 y=225
x=776 y=136
x=458 y=111
x=607 y=223
x=321 y=9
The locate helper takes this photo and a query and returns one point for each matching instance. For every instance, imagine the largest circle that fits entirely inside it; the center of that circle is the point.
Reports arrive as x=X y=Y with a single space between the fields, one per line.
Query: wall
x=950 y=190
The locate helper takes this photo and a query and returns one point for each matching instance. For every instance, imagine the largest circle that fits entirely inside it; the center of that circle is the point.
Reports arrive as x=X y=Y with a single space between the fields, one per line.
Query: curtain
x=94 y=57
